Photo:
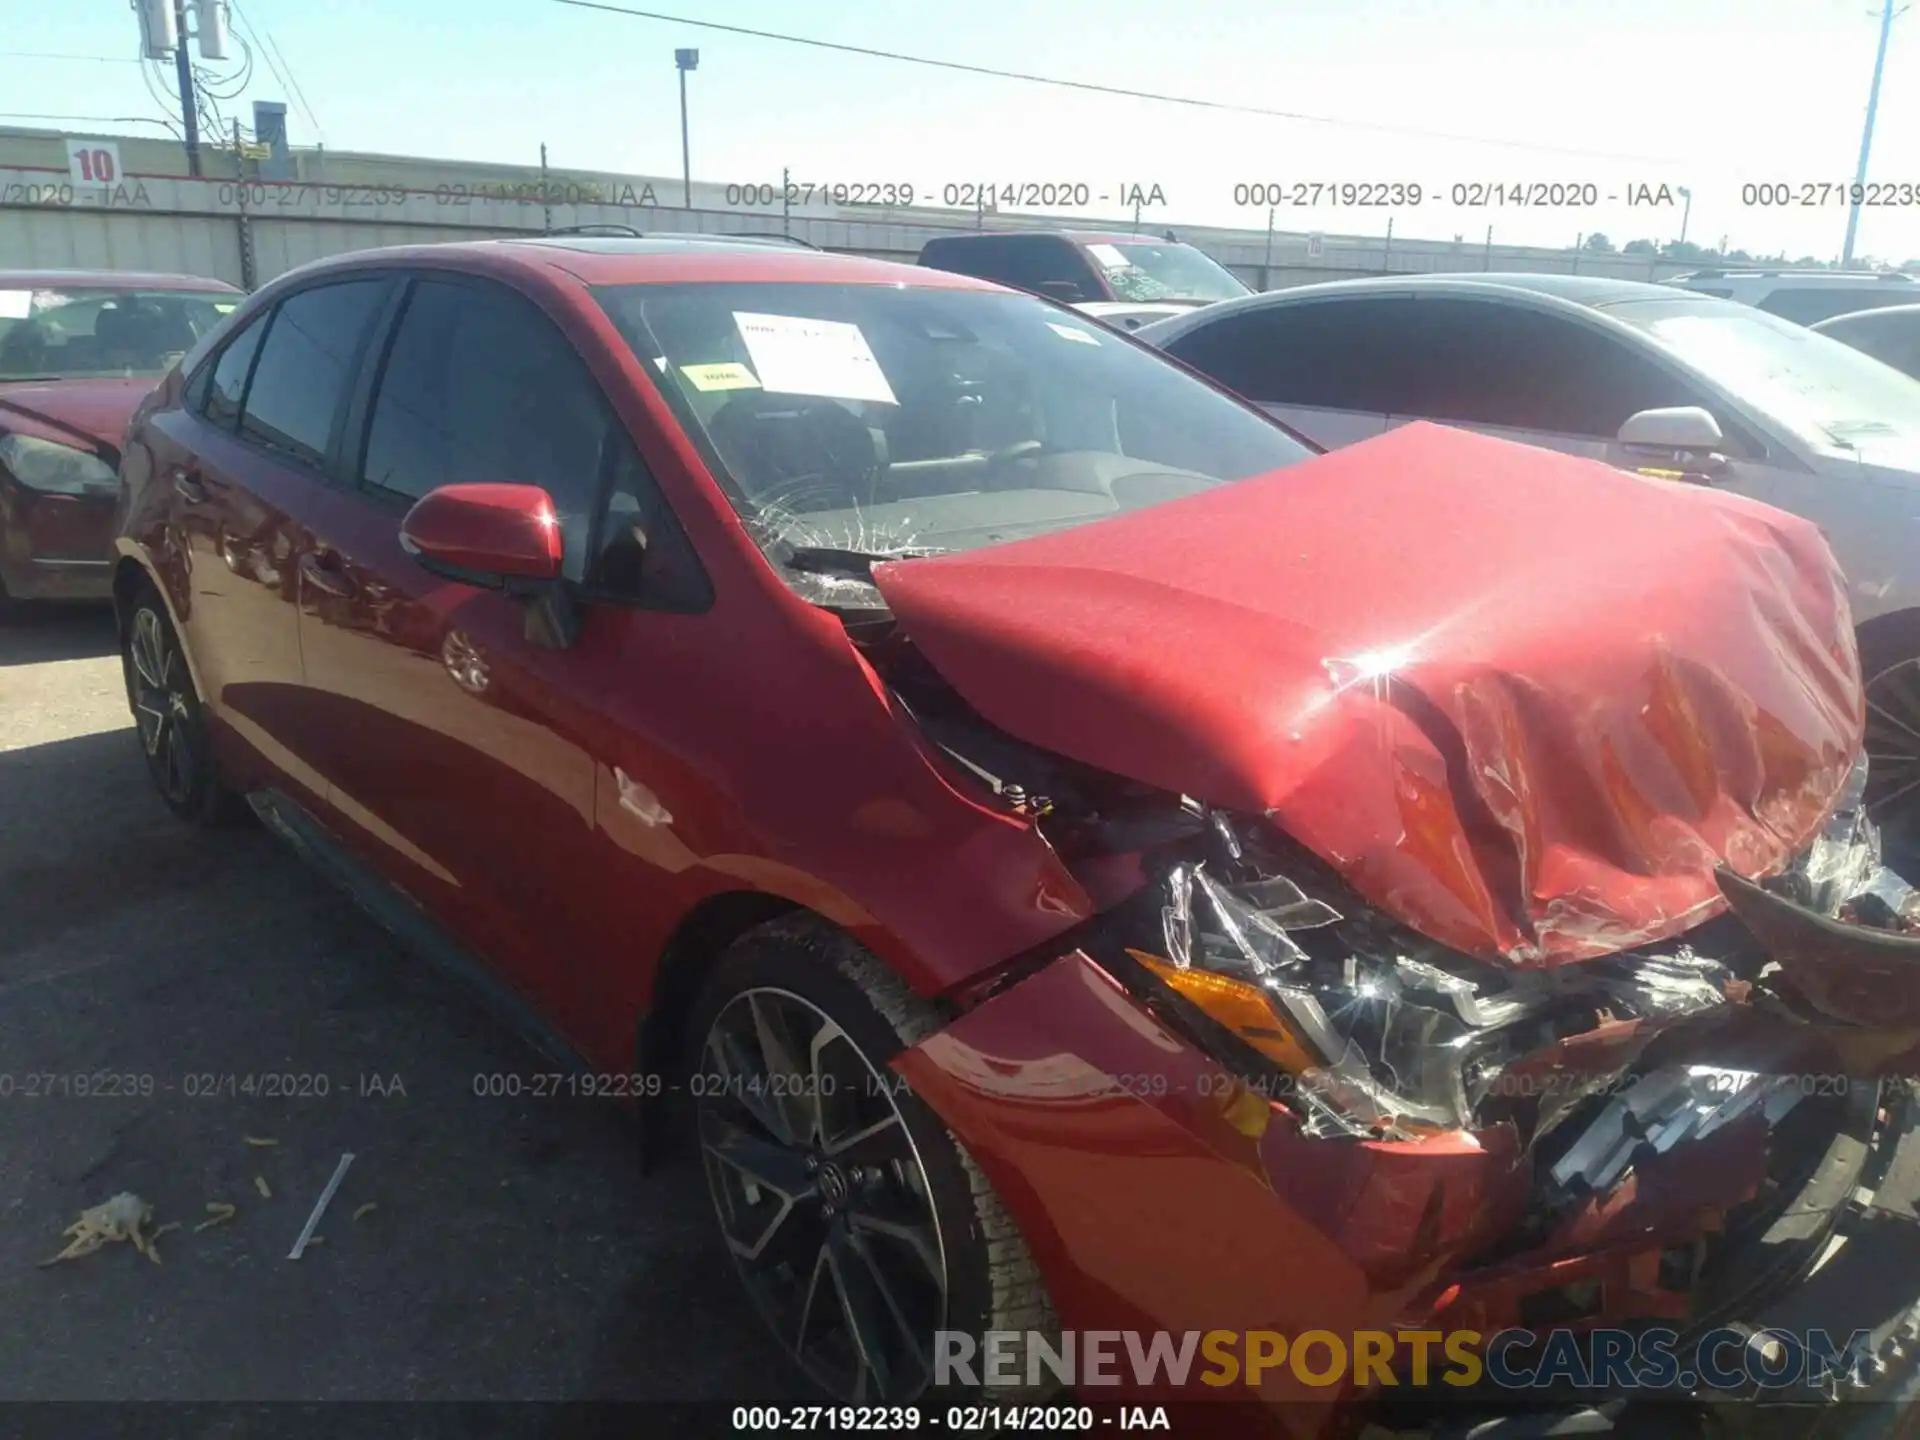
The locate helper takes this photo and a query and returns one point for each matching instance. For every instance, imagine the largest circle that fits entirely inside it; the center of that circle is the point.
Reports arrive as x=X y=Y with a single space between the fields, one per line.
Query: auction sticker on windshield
x=1109 y=256
x=730 y=375
x=14 y=304
x=813 y=357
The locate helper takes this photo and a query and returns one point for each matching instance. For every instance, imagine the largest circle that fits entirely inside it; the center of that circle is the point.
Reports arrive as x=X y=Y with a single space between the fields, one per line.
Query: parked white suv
x=1805 y=296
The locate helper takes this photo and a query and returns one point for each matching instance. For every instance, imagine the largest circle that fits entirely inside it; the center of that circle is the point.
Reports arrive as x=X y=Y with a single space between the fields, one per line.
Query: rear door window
x=311 y=348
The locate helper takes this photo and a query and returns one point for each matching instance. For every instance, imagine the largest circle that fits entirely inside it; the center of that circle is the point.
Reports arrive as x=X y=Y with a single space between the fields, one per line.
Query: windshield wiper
x=832 y=560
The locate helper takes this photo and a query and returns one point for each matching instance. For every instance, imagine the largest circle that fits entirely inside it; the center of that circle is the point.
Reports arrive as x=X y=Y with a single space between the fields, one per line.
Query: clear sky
x=1709 y=94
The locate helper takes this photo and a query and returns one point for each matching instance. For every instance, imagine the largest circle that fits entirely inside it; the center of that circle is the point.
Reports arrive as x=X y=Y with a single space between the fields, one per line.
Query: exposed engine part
x=1660 y=1111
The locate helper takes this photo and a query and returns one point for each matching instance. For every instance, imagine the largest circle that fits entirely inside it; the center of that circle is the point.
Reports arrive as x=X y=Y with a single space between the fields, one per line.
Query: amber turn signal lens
x=1241 y=1007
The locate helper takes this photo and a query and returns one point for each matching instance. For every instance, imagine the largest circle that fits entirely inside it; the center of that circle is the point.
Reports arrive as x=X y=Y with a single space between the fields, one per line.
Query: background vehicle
x=1891 y=335
x=1804 y=296
x=77 y=351
x=744 y=238
x=1123 y=279
x=720 y=643
x=1675 y=385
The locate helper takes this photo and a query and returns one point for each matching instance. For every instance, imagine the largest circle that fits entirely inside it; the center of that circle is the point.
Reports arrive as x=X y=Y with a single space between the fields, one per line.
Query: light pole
x=1866 y=133
x=685 y=60
x=1686 y=211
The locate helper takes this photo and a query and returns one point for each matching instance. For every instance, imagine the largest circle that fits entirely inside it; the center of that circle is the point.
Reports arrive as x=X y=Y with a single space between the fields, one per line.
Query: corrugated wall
x=71 y=238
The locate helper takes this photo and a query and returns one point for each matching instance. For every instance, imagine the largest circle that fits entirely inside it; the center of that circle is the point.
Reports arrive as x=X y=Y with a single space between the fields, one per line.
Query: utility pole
x=189 y=108
x=1686 y=212
x=1866 y=133
x=685 y=60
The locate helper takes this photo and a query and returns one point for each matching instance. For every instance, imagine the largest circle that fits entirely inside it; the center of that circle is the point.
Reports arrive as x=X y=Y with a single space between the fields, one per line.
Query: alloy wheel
x=821 y=1195
x=161 y=707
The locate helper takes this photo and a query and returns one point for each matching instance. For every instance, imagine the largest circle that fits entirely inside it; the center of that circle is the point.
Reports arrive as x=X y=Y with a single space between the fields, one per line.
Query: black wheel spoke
x=865 y=1312
x=876 y=1128
x=742 y=1083
x=912 y=1342
x=787 y=1076
x=779 y=1168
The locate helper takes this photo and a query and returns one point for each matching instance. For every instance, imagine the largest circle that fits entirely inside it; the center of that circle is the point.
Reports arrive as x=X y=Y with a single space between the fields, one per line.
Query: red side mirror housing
x=487 y=535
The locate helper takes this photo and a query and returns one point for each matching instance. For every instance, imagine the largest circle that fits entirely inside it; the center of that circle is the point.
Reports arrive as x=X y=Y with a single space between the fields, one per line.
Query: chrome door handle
x=188 y=487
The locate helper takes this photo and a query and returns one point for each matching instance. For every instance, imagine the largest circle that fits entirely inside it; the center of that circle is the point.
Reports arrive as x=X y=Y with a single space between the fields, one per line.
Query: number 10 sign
x=93 y=162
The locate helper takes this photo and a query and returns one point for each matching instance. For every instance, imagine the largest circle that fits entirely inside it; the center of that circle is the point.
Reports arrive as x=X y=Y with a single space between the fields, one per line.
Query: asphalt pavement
x=514 y=1249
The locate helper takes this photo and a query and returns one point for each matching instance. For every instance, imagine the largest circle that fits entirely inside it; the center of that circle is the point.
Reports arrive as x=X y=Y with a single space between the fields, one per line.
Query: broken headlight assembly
x=1381 y=1032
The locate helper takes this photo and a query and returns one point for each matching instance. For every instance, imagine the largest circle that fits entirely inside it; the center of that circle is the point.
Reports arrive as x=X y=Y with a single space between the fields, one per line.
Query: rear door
x=462 y=759
x=246 y=461
x=1330 y=368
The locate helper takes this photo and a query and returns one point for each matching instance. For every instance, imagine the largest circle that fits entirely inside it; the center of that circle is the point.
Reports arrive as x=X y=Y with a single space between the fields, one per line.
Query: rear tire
x=168 y=718
x=856 y=1220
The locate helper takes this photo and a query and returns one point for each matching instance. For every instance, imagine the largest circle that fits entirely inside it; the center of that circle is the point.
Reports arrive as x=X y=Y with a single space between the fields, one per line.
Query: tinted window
x=984 y=258
x=479 y=386
x=1482 y=363
x=228 y=383
x=1033 y=262
x=1337 y=355
x=1888 y=337
x=641 y=551
x=310 y=350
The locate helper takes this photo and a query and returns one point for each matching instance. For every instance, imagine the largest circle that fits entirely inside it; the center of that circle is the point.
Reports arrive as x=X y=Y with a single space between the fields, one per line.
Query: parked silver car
x=1891 y=335
x=1683 y=386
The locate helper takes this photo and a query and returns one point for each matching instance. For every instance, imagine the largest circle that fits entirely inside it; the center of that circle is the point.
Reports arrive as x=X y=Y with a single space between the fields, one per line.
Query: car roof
x=109 y=279
x=1846 y=321
x=1594 y=291
x=1843 y=278
x=1076 y=237
x=624 y=260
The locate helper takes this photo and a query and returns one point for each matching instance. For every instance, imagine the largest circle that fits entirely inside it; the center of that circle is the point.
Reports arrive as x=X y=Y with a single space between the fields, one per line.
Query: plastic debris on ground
x=126 y=1217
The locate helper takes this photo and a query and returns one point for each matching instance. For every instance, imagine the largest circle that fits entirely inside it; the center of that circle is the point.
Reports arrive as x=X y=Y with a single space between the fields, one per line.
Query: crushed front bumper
x=1158 y=1192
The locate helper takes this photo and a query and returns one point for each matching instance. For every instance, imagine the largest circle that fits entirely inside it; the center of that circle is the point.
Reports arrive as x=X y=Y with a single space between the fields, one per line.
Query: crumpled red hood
x=1524 y=702
x=93 y=409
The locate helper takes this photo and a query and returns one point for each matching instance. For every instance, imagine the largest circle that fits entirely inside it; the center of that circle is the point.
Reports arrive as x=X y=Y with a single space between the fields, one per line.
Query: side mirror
x=498 y=537
x=1678 y=427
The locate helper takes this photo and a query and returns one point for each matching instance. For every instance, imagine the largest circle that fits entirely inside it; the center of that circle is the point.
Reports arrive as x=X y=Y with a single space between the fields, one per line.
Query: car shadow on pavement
x=31 y=635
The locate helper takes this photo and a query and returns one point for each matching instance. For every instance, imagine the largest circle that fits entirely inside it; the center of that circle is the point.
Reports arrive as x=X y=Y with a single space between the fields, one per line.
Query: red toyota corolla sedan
x=78 y=348
x=1089 y=861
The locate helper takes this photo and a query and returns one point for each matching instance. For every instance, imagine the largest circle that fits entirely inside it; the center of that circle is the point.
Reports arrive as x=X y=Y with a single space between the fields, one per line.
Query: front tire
x=856 y=1221
x=168 y=717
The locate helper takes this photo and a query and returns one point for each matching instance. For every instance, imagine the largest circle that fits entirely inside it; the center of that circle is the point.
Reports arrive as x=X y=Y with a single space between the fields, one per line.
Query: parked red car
x=78 y=348
x=1089 y=860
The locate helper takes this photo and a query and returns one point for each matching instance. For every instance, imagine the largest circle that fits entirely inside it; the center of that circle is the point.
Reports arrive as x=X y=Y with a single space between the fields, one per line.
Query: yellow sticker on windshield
x=225 y=307
x=730 y=376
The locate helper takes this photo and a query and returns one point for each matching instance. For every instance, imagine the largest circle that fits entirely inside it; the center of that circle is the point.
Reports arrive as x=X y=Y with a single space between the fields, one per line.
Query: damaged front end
x=1383 y=1032
x=1677 y=1135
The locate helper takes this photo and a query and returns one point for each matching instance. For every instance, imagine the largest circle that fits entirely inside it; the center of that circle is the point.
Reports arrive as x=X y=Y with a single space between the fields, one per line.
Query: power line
x=282 y=71
x=51 y=55
x=1093 y=87
x=91 y=119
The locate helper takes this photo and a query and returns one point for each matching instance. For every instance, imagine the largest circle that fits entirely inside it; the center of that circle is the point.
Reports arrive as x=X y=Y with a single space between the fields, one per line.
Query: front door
x=462 y=758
